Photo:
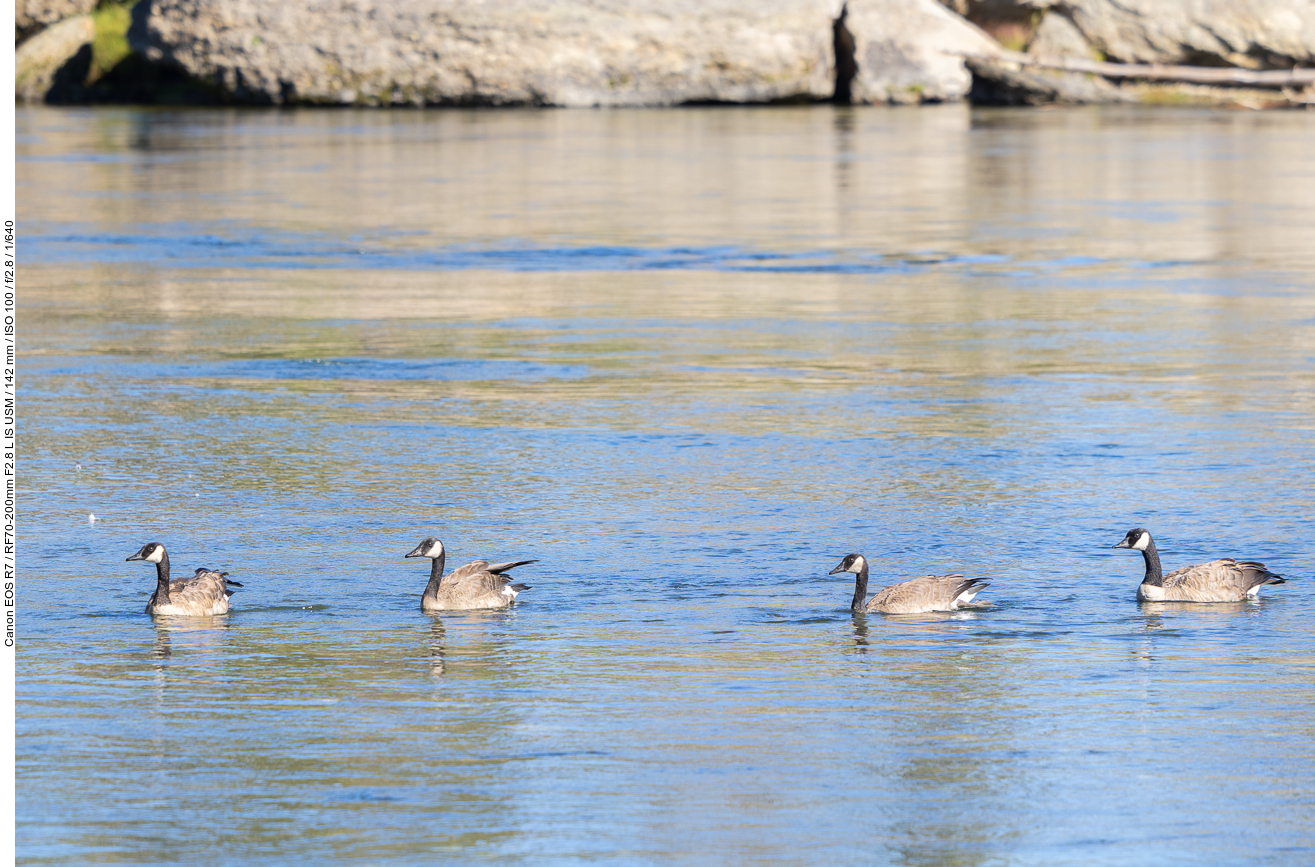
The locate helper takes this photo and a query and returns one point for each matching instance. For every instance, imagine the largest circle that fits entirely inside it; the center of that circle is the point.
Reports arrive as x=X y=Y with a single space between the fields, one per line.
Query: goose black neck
x=860 y=589
x=436 y=571
x=1154 y=574
x=162 y=579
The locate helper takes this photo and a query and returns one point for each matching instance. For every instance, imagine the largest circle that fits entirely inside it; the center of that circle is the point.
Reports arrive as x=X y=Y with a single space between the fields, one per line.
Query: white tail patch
x=965 y=597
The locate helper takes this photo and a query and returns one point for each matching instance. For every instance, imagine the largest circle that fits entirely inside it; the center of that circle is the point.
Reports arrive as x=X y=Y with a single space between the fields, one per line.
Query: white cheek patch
x=1144 y=542
x=156 y=556
x=859 y=564
x=435 y=551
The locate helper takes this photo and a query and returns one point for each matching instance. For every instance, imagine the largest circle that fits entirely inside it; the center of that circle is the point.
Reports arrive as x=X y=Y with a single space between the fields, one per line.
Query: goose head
x=1139 y=539
x=152 y=552
x=852 y=563
x=430 y=547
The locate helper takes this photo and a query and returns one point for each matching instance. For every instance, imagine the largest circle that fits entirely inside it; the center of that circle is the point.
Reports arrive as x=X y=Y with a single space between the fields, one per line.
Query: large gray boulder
x=1057 y=36
x=554 y=52
x=550 y=52
x=1248 y=33
x=1276 y=34
x=38 y=60
x=32 y=15
x=910 y=52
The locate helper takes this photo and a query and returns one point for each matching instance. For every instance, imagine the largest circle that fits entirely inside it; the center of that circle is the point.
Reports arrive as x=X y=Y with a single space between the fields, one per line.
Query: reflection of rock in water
x=437 y=635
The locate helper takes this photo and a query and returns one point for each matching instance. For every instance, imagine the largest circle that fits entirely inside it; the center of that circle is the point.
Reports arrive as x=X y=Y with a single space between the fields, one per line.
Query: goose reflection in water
x=925 y=622
x=437 y=637
x=469 y=635
x=194 y=638
x=949 y=735
x=208 y=633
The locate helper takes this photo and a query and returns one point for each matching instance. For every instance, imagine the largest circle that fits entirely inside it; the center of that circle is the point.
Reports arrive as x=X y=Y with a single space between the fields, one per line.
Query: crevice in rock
x=842 y=43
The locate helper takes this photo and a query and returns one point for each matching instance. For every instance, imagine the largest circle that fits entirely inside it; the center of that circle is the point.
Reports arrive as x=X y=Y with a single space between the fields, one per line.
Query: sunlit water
x=687 y=359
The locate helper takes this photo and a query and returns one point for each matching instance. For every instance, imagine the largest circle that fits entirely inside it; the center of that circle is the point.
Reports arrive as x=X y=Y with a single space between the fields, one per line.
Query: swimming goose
x=202 y=595
x=480 y=584
x=1225 y=580
x=917 y=596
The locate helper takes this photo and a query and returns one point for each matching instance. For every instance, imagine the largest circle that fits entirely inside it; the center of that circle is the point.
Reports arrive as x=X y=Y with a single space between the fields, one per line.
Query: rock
x=40 y=62
x=912 y=51
x=554 y=52
x=1255 y=34
x=509 y=52
x=999 y=82
x=1058 y=36
x=1250 y=34
x=32 y=15
x=1009 y=22
x=1271 y=34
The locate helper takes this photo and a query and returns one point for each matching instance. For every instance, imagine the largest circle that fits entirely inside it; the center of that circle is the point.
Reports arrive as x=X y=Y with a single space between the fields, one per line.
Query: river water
x=688 y=359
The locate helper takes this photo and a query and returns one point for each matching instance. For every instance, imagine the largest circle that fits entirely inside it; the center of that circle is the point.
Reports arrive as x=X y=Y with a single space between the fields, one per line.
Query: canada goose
x=202 y=595
x=480 y=584
x=1225 y=580
x=917 y=596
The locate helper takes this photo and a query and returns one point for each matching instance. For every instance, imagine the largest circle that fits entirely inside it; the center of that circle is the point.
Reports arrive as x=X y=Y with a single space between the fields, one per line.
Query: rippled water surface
x=687 y=359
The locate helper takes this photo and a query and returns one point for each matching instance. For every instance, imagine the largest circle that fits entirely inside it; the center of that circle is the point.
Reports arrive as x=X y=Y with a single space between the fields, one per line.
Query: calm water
x=688 y=359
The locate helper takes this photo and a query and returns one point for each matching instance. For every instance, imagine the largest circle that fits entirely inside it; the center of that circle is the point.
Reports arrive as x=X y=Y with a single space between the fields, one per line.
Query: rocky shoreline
x=601 y=53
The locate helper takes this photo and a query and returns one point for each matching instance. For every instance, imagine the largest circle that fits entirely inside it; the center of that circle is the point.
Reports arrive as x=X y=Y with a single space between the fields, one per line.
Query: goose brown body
x=916 y=596
x=203 y=595
x=476 y=585
x=1223 y=580
x=925 y=593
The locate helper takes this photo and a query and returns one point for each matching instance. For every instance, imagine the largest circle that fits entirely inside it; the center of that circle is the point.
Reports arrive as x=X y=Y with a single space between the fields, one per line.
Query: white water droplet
x=91 y=519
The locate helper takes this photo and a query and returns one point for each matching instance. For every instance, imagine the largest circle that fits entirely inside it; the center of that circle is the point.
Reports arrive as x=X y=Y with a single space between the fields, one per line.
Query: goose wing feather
x=499 y=568
x=1225 y=580
x=201 y=595
x=926 y=593
x=474 y=567
x=466 y=588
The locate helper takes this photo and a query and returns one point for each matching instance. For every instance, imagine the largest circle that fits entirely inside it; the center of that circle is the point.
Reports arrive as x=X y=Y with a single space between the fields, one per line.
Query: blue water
x=687 y=359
